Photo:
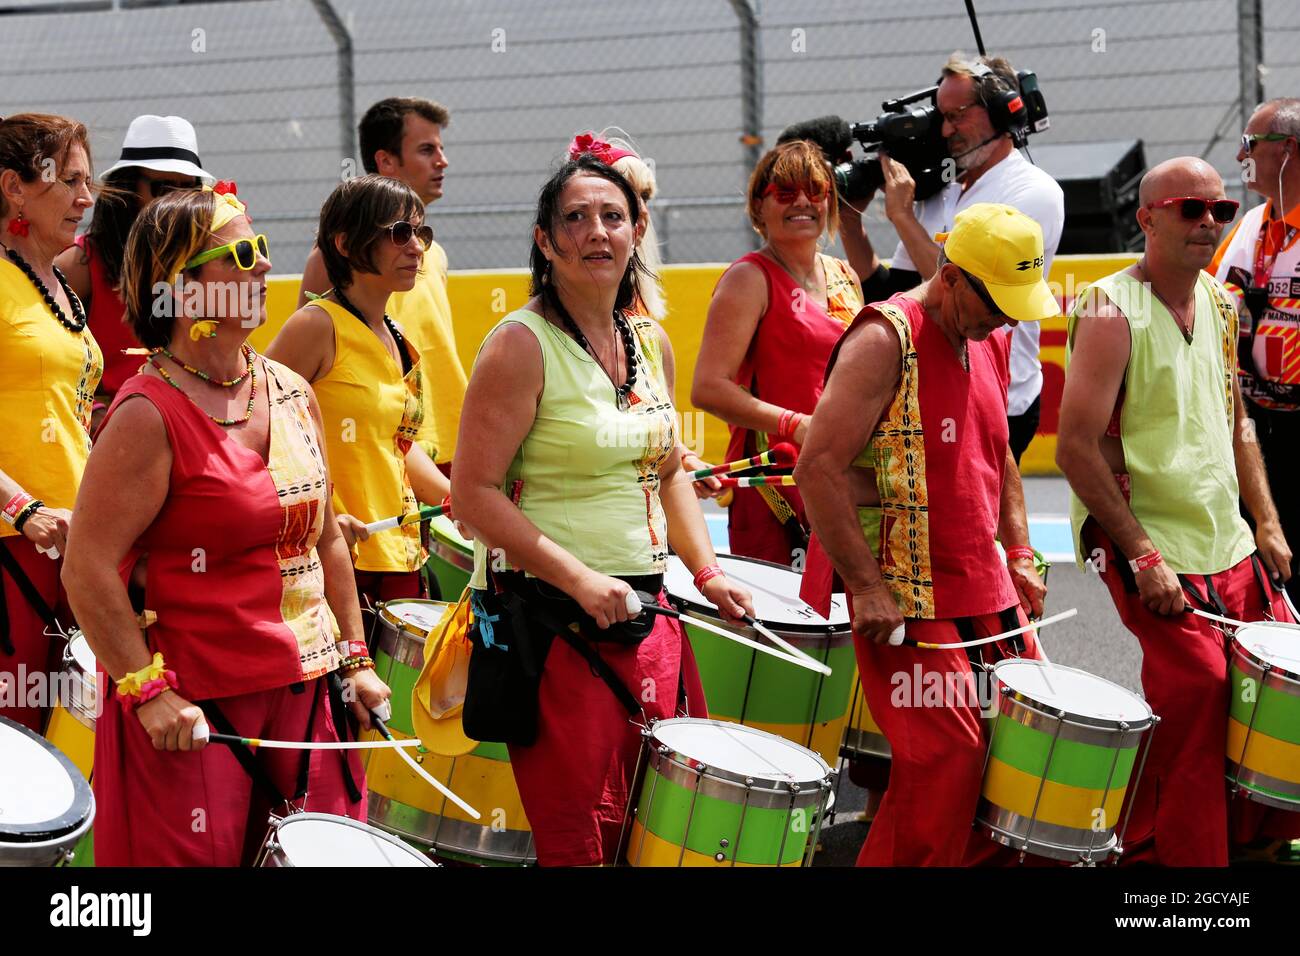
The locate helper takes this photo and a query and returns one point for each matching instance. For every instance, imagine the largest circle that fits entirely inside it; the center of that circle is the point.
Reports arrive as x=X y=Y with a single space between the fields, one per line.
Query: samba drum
x=721 y=794
x=46 y=805
x=451 y=557
x=403 y=803
x=1061 y=760
x=71 y=726
x=1264 y=714
x=323 y=839
x=758 y=690
x=400 y=801
x=862 y=735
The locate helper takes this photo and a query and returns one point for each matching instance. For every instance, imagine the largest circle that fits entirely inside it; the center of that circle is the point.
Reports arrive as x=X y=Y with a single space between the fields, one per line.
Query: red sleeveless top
x=786 y=362
x=233 y=573
x=107 y=320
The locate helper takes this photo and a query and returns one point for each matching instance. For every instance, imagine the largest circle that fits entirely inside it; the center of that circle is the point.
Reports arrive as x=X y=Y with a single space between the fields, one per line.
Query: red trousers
x=1183 y=815
x=201 y=808
x=574 y=781
x=939 y=748
x=34 y=652
x=374 y=587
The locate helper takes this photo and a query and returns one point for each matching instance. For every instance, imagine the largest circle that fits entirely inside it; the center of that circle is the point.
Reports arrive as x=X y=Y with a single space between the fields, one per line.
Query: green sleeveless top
x=587 y=473
x=1176 y=426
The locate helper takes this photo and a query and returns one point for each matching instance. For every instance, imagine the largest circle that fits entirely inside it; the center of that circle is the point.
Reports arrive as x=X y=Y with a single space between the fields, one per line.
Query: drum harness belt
x=966 y=631
x=29 y=591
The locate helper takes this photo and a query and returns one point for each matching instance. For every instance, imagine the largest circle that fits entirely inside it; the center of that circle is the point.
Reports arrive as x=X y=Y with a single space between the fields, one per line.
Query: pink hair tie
x=588 y=143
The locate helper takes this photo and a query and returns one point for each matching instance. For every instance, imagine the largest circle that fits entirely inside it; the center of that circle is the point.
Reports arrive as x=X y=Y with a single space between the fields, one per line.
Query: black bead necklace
x=629 y=348
x=392 y=329
x=78 y=312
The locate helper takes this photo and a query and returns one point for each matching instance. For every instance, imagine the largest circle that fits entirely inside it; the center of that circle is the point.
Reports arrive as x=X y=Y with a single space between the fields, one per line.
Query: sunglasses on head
x=982 y=292
x=1193 y=207
x=1248 y=140
x=400 y=232
x=161 y=187
x=786 y=195
x=245 y=252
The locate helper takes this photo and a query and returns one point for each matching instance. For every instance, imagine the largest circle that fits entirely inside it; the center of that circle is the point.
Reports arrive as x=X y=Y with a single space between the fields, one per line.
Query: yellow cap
x=1003 y=248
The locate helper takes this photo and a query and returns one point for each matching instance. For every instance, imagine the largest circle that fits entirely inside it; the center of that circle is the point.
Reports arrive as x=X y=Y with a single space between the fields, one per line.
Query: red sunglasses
x=1193 y=207
x=788 y=194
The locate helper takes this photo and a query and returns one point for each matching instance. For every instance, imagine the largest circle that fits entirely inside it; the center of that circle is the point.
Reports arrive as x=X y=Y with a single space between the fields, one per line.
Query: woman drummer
x=612 y=147
x=775 y=317
x=372 y=237
x=49 y=366
x=212 y=461
x=570 y=479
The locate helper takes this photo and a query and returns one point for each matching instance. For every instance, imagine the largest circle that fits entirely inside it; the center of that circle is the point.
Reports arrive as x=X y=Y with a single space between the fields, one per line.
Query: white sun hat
x=166 y=144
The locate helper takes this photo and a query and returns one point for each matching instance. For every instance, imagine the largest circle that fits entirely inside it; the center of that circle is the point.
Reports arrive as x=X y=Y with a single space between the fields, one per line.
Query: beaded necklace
x=77 y=310
x=252 y=395
x=232 y=383
x=405 y=359
x=621 y=392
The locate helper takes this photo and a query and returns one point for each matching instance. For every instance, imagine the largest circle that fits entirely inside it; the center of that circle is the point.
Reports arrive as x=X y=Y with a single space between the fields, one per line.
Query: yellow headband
x=225 y=207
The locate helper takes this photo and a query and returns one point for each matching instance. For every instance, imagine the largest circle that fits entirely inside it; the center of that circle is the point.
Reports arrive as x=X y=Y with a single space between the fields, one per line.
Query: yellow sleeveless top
x=424 y=315
x=371 y=415
x=48 y=376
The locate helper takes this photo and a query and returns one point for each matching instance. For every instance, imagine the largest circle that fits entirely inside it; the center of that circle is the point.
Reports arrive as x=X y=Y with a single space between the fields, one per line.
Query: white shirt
x=1018 y=183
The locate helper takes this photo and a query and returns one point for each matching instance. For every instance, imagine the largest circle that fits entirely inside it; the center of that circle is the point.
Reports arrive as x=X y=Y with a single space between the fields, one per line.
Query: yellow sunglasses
x=245 y=252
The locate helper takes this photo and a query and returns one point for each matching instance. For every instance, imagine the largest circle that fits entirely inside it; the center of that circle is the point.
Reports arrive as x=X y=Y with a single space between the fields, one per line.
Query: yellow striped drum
x=1263 y=754
x=1063 y=755
x=715 y=793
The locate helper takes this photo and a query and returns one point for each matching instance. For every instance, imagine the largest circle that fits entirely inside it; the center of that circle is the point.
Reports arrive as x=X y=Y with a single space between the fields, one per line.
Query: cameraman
x=990 y=169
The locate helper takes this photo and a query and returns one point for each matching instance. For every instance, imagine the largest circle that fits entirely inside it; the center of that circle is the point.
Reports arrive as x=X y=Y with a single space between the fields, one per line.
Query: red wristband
x=1145 y=562
x=15 y=506
x=705 y=574
x=1018 y=552
x=353 y=648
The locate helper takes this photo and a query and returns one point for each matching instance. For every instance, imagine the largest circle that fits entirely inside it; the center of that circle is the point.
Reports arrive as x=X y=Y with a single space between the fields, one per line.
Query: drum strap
x=1211 y=602
x=247 y=759
x=29 y=591
x=1262 y=580
x=599 y=666
x=334 y=685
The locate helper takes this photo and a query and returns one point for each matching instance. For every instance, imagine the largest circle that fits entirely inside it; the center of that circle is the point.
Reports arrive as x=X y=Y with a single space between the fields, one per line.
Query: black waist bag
x=515 y=621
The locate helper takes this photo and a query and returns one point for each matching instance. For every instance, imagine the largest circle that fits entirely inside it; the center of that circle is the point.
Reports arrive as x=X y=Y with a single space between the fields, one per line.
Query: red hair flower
x=224 y=186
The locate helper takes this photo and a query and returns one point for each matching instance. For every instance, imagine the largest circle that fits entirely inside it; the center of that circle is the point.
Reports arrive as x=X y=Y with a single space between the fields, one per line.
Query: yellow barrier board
x=479 y=299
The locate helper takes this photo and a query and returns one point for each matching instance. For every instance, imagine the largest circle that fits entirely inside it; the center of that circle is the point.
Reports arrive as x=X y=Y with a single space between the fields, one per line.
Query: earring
x=546 y=276
x=20 y=225
x=203 y=328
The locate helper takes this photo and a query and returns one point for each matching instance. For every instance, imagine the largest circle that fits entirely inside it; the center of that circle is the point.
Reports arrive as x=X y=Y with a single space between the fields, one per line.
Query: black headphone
x=1004 y=104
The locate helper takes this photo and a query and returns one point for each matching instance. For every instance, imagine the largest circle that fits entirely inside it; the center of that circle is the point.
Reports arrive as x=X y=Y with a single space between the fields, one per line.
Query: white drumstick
x=437 y=785
x=52 y=551
x=1215 y=617
x=785 y=646
x=633 y=604
x=897 y=635
x=810 y=664
x=1291 y=607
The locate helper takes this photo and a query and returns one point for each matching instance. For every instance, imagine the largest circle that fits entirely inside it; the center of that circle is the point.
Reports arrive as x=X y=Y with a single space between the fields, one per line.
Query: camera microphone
x=831 y=133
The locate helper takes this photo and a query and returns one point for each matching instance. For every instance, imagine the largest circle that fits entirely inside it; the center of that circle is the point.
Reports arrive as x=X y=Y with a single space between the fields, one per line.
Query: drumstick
x=763 y=629
x=428 y=778
x=755 y=481
x=424 y=514
x=232 y=741
x=1215 y=617
x=634 y=606
x=780 y=456
x=1291 y=607
x=996 y=637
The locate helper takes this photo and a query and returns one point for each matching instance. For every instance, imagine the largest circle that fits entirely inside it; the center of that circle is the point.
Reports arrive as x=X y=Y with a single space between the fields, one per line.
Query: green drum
x=720 y=794
x=756 y=689
x=1264 y=714
x=451 y=558
x=1061 y=761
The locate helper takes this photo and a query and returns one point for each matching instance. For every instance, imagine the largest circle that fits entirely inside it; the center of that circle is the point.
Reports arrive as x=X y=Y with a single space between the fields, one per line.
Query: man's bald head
x=1180 y=176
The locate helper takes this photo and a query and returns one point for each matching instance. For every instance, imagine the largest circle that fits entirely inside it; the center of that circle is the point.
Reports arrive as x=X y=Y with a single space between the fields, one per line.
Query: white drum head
x=80 y=650
x=1074 y=691
x=416 y=614
x=775 y=592
x=744 y=751
x=1272 y=641
x=35 y=786
x=319 y=839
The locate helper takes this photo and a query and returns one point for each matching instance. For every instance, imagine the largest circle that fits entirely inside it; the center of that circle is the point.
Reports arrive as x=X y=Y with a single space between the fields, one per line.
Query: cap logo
x=1025 y=264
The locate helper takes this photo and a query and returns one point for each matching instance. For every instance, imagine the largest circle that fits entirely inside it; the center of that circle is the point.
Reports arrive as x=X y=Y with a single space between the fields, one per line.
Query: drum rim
x=53 y=829
x=397 y=624
x=310 y=815
x=1274 y=670
x=705 y=610
x=760 y=783
x=1105 y=723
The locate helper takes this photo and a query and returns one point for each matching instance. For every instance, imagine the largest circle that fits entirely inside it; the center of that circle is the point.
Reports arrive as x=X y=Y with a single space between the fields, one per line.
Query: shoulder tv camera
x=910 y=130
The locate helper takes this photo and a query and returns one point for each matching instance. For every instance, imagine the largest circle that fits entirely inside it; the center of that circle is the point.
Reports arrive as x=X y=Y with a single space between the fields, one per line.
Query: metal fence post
x=1250 y=54
x=347 y=84
x=751 y=84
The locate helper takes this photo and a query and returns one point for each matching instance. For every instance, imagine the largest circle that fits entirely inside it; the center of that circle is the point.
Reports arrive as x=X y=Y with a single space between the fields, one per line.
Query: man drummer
x=908 y=479
x=1157 y=448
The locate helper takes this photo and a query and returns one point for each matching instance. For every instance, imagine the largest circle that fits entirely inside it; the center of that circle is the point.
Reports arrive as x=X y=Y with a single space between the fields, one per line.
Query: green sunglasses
x=1248 y=140
x=245 y=252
